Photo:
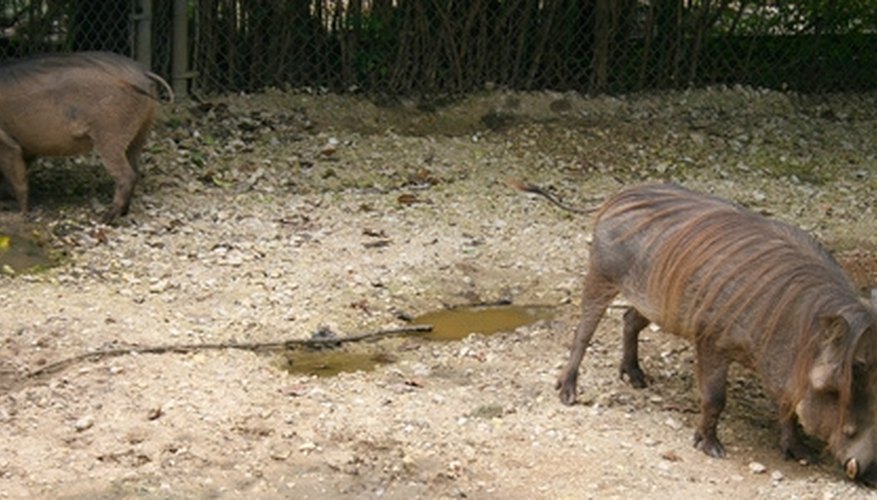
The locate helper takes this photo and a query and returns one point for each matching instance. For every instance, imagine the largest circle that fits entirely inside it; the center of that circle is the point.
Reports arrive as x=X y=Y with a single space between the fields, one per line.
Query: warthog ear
x=826 y=371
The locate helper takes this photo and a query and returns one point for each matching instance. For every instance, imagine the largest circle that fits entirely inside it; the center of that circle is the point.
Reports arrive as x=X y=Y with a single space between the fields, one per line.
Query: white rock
x=84 y=423
x=673 y=423
x=757 y=468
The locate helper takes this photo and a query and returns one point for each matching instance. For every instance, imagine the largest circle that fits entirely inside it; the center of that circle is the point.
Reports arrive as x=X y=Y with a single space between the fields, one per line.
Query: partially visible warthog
x=742 y=288
x=69 y=104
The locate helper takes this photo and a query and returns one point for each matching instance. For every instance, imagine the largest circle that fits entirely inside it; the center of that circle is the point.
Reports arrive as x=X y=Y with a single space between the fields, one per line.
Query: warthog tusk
x=852 y=467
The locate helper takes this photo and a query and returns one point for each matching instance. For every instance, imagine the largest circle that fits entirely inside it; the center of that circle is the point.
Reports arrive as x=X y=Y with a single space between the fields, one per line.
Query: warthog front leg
x=597 y=295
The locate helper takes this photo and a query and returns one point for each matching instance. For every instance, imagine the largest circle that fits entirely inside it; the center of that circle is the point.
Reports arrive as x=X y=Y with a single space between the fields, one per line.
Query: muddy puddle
x=458 y=322
x=447 y=325
x=20 y=251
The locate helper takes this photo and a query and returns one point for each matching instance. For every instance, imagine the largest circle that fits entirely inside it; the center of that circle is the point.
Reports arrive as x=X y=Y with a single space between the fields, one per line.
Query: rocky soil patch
x=269 y=217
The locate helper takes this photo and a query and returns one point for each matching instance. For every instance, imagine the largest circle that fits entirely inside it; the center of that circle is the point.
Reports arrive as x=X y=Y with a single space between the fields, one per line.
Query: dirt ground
x=265 y=218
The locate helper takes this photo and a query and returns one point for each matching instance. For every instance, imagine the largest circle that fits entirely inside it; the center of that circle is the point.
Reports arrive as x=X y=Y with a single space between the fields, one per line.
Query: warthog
x=69 y=104
x=742 y=288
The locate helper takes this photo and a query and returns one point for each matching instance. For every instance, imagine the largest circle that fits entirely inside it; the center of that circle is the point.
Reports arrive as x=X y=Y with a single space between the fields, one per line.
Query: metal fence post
x=143 y=33
x=180 y=55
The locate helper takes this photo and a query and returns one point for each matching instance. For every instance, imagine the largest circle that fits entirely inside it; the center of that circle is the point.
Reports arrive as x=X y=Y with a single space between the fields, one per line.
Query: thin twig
x=245 y=346
x=534 y=189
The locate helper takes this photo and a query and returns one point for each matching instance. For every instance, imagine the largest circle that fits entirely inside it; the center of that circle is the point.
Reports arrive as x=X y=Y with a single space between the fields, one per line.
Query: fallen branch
x=245 y=346
x=526 y=187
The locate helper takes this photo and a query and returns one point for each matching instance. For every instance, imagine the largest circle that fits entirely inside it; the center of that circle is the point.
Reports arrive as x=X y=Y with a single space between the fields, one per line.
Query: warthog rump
x=742 y=288
x=69 y=104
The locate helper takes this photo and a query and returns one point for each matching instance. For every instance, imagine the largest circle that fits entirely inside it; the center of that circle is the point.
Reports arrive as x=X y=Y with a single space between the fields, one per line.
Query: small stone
x=777 y=476
x=307 y=447
x=455 y=467
x=159 y=286
x=280 y=453
x=757 y=468
x=84 y=423
x=673 y=423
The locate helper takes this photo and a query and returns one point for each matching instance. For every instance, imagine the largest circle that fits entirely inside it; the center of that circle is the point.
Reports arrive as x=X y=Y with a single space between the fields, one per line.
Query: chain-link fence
x=453 y=46
x=30 y=27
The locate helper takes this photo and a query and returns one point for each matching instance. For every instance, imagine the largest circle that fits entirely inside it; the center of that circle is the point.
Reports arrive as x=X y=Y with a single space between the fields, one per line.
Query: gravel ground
x=265 y=218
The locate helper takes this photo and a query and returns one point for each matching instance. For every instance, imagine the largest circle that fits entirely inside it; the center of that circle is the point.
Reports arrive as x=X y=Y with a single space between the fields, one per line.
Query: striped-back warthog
x=742 y=288
x=69 y=104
